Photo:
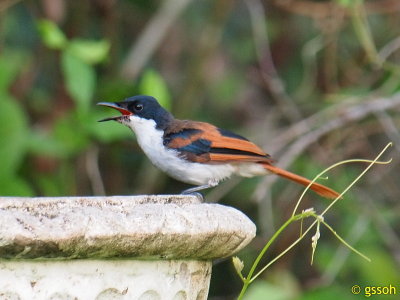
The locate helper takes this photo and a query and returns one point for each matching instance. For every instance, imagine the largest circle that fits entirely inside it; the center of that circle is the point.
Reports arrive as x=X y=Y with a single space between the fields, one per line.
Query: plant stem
x=308 y=213
x=344 y=242
x=248 y=279
x=363 y=33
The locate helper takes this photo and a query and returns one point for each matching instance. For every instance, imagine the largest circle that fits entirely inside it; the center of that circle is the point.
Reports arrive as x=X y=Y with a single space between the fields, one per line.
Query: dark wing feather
x=198 y=147
x=203 y=142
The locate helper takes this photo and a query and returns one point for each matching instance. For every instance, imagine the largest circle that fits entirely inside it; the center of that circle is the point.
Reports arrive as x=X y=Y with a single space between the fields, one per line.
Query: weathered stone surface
x=104 y=280
x=145 y=227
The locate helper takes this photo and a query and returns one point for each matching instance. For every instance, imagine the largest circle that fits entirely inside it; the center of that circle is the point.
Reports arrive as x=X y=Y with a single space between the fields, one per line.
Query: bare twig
x=390 y=48
x=304 y=126
x=6 y=4
x=318 y=10
x=205 y=48
x=334 y=117
x=363 y=32
x=344 y=116
x=151 y=37
x=390 y=128
x=308 y=57
x=93 y=171
x=307 y=131
x=268 y=71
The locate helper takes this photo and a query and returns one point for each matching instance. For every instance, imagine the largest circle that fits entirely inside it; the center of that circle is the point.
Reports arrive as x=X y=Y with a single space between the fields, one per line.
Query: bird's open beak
x=116 y=106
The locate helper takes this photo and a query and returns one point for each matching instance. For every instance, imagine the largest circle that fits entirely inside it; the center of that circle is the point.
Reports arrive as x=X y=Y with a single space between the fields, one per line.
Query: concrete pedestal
x=137 y=247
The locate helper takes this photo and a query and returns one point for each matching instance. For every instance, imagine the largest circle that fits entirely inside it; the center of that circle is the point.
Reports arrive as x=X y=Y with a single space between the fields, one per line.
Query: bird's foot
x=198 y=195
x=195 y=190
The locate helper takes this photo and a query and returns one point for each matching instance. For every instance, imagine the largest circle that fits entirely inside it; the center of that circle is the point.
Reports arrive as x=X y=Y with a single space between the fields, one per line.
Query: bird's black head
x=145 y=107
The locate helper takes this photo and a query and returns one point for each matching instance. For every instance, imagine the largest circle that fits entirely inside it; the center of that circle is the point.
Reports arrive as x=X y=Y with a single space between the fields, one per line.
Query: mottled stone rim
x=116 y=200
x=148 y=226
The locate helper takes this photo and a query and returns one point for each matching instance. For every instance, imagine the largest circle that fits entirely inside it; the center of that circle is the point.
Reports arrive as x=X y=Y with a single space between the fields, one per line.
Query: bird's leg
x=195 y=190
x=211 y=183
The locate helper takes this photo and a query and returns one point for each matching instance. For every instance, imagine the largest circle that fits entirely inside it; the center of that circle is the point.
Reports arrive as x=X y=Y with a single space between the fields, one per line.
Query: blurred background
x=312 y=82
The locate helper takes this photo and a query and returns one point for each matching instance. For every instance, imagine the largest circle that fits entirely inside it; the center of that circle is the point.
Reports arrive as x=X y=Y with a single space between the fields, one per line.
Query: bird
x=197 y=153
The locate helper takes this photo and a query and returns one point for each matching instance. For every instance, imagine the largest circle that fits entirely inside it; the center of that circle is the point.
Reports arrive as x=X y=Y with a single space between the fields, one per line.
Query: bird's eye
x=138 y=106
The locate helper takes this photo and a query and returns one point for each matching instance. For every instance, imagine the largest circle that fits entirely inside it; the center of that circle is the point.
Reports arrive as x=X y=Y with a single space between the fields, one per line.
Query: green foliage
x=15 y=186
x=90 y=52
x=11 y=63
x=226 y=88
x=106 y=133
x=42 y=143
x=72 y=132
x=13 y=134
x=213 y=63
x=51 y=35
x=381 y=271
x=13 y=129
x=332 y=293
x=262 y=290
x=65 y=132
x=305 y=214
x=78 y=58
x=349 y=3
x=153 y=84
x=80 y=80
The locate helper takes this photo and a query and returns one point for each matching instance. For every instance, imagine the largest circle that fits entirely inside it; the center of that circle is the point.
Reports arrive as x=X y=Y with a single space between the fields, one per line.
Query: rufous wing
x=203 y=142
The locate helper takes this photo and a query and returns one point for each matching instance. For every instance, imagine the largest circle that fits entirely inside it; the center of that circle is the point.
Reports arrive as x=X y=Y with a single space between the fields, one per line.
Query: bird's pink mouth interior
x=124 y=112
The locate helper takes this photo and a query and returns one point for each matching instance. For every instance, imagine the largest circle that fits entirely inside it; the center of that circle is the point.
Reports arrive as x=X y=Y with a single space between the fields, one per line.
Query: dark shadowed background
x=312 y=82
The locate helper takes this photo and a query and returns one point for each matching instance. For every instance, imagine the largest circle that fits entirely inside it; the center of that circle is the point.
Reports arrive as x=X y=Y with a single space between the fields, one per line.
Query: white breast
x=150 y=140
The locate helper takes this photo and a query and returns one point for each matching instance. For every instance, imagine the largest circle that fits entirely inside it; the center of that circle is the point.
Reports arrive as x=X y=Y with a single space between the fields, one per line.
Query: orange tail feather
x=320 y=189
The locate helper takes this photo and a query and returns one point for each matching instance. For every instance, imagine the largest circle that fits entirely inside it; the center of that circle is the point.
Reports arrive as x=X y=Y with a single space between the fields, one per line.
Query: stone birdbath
x=121 y=247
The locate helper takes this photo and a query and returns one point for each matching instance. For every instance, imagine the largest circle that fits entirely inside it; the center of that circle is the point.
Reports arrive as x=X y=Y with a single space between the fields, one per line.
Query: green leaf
x=344 y=3
x=91 y=52
x=153 y=84
x=108 y=131
x=51 y=185
x=14 y=186
x=70 y=134
x=225 y=88
x=261 y=290
x=348 y=3
x=40 y=143
x=331 y=292
x=11 y=63
x=80 y=80
x=13 y=134
x=51 y=35
x=382 y=270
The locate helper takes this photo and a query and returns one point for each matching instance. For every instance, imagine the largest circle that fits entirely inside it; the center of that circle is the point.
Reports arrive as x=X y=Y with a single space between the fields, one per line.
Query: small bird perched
x=197 y=153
